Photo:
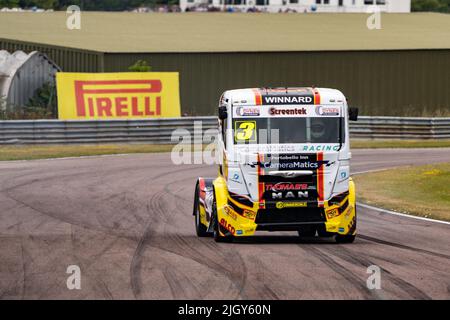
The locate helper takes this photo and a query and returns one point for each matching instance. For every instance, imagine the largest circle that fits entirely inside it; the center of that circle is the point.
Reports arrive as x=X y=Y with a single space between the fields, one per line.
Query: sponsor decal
x=227 y=226
x=239 y=232
x=332 y=213
x=286 y=186
x=327 y=111
x=236 y=178
x=282 y=205
x=245 y=131
x=287 y=112
x=320 y=148
x=249 y=214
x=247 y=111
x=349 y=211
x=229 y=211
x=290 y=195
x=341 y=229
x=343 y=174
x=293 y=162
x=118 y=95
x=284 y=99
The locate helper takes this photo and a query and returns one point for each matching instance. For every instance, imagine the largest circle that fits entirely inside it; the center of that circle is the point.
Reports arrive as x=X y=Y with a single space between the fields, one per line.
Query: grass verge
x=31 y=152
x=423 y=191
x=376 y=144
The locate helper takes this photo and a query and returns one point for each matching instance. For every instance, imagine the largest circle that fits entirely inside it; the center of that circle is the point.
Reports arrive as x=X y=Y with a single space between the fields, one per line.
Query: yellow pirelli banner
x=130 y=95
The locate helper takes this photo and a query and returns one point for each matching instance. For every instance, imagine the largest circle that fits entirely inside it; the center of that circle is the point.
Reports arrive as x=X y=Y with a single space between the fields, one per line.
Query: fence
x=159 y=131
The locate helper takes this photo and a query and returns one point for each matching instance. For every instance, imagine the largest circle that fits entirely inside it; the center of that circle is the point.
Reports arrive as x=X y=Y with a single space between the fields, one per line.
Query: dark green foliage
x=140 y=66
x=43 y=105
x=98 y=5
x=431 y=5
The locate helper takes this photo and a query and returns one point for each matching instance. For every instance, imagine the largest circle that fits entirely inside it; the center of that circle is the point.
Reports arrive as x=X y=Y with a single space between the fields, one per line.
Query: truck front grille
x=290 y=215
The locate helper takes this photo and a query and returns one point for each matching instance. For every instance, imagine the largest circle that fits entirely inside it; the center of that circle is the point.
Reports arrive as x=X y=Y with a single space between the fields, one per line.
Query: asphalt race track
x=127 y=222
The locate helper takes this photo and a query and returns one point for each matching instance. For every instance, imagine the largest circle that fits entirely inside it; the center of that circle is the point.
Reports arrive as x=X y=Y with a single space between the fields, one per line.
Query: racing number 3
x=245 y=131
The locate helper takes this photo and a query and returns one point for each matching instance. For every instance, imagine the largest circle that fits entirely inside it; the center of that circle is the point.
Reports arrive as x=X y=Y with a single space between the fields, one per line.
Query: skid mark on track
x=261 y=285
x=202 y=251
x=405 y=247
x=359 y=260
x=347 y=274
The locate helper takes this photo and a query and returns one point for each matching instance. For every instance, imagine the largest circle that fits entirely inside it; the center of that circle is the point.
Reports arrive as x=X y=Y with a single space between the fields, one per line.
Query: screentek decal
x=291 y=112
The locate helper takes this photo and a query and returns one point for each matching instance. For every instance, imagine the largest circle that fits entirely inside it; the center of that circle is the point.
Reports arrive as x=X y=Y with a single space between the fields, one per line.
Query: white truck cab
x=285 y=166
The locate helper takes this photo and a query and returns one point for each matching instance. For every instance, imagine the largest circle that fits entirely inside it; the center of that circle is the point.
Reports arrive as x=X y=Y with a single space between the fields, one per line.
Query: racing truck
x=284 y=165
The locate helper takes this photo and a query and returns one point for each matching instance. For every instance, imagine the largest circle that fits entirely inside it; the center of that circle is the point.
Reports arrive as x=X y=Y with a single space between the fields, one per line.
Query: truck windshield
x=288 y=130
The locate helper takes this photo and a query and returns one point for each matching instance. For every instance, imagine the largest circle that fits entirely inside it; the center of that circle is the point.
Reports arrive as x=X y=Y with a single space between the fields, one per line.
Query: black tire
x=321 y=231
x=345 y=238
x=217 y=227
x=307 y=231
x=200 y=229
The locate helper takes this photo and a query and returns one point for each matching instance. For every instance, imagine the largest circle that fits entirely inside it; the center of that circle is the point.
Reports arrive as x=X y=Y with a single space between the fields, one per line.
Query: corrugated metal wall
x=74 y=60
x=29 y=73
x=404 y=83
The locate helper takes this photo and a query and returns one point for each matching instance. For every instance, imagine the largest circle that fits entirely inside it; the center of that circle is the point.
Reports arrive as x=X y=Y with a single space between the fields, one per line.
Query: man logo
x=290 y=195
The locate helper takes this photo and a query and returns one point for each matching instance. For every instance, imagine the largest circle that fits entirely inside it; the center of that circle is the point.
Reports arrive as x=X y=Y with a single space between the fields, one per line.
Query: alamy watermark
x=73 y=21
x=374 y=280
x=74 y=280
x=374 y=20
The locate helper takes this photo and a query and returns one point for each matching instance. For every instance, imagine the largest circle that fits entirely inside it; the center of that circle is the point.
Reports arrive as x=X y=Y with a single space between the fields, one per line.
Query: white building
x=301 y=5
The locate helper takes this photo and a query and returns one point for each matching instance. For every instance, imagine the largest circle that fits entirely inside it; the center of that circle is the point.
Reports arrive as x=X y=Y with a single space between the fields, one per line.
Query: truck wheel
x=307 y=231
x=321 y=231
x=345 y=238
x=200 y=229
x=216 y=225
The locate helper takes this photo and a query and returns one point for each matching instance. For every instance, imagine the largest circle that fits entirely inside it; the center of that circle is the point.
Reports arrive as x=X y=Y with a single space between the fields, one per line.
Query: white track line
x=401 y=214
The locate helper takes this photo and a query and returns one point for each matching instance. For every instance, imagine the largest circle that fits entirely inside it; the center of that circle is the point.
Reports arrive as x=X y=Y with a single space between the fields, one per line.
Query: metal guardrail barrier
x=159 y=131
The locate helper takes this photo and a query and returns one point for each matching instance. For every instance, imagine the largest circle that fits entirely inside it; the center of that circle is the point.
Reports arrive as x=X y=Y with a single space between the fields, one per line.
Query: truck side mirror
x=223 y=114
x=353 y=114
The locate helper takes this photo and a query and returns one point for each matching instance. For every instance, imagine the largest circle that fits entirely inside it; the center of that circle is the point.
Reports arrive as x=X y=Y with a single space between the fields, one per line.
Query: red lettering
x=91 y=107
x=135 y=107
x=120 y=106
x=104 y=106
x=148 y=112
x=158 y=106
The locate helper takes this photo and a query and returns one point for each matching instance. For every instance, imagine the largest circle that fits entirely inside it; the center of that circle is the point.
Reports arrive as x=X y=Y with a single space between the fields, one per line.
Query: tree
x=140 y=66
x=9 y=3
x=431 y=5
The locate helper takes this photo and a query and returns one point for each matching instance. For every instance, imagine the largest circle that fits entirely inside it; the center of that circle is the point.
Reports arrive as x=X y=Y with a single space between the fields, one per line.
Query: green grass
x=61 y=151
x=423 y=191
x=31 y=152
x=223 y=32
x=376 y=144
